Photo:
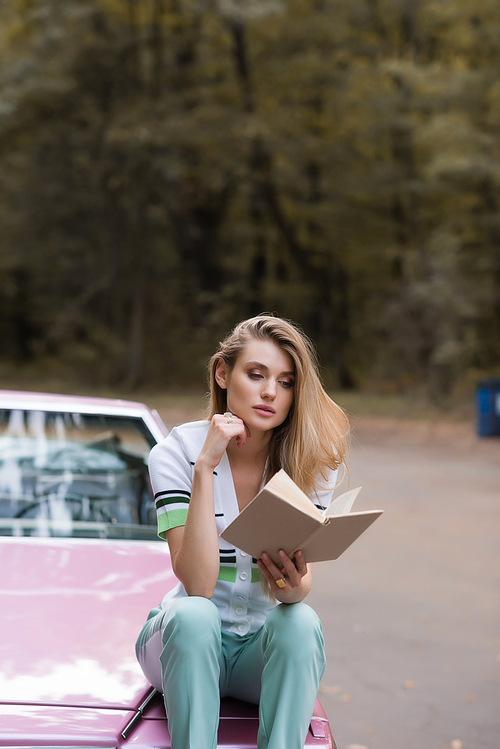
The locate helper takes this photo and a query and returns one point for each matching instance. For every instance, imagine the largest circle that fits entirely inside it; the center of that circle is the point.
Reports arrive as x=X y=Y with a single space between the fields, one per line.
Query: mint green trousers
x=184 y=652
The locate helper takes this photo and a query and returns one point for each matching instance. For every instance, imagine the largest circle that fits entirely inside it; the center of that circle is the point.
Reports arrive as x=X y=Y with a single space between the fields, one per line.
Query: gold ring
x=229 y=416
x=281 y=582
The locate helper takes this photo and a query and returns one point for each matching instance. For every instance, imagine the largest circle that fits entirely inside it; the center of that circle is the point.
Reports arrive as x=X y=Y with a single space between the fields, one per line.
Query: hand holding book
x=281 y=516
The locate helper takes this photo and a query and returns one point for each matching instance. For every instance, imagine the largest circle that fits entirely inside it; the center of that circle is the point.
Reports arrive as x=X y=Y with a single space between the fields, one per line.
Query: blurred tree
x=168 y=167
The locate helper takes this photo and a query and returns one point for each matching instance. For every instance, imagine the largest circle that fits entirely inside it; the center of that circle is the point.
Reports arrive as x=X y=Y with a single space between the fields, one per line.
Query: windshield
x=76 y=475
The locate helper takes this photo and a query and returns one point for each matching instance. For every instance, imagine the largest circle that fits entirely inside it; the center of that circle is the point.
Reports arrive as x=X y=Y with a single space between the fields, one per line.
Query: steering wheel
x=95 y=510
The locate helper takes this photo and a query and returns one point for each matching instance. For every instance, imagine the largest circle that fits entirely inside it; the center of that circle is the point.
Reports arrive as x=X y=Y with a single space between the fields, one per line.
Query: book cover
x=281 y=516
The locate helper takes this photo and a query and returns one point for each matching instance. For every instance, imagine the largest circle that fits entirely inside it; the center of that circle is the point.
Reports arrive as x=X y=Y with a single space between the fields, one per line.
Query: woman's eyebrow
x=259 y=365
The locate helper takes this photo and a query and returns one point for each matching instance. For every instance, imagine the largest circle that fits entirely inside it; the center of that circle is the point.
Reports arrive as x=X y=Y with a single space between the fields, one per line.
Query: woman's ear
x=221 y=375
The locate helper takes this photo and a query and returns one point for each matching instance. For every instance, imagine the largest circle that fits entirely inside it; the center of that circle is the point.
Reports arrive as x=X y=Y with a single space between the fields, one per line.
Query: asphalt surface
x=411 y=612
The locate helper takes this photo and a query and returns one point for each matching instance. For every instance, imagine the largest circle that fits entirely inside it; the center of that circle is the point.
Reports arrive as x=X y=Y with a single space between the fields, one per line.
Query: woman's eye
x=286 y=383
x=255 y=375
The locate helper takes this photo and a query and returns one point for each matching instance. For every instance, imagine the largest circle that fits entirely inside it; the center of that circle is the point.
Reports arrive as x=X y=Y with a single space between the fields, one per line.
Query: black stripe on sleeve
x=172 y=491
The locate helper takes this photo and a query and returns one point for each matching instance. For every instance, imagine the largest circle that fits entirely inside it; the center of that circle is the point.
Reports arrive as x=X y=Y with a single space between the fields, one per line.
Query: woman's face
x=260 y=386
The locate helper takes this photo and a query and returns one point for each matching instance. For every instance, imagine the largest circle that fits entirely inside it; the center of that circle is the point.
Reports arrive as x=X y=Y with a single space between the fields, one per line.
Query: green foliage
x=168 y=167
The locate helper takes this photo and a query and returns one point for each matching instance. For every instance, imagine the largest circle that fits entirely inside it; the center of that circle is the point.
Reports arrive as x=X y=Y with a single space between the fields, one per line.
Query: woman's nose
x=269 y=389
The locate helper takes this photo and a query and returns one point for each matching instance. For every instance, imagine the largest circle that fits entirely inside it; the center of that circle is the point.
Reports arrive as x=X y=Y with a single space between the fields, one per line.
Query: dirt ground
x=411 y=612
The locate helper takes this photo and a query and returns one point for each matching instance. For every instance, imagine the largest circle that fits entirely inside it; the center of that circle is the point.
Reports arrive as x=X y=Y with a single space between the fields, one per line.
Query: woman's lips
x=264 y=410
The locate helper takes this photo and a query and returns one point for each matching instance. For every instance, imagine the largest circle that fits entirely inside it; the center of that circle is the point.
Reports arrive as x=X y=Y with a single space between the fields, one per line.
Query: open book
x=281 y=516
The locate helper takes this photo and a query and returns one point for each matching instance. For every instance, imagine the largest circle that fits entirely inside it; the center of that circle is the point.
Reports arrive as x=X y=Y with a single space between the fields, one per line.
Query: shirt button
x=241 y=627
x=240 y=610
x=243 y=576
x=243 y=554
x=240 y=598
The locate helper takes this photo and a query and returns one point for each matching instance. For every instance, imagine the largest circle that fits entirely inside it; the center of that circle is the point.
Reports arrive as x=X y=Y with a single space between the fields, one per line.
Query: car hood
x=71 y=610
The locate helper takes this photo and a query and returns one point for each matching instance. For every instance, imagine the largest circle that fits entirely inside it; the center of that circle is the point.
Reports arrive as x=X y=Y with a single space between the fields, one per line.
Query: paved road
x=411 y=613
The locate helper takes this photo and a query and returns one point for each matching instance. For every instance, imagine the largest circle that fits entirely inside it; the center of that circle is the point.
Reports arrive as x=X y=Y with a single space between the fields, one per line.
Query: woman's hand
x=194 y=547
x=294 y=578
x=221 y=431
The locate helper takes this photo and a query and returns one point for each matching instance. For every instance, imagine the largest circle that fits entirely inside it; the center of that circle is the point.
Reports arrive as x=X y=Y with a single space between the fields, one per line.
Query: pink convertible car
x=81 y=566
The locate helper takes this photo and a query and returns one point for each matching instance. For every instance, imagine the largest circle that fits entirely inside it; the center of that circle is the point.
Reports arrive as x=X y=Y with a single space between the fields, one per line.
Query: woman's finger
x=294 y=569
x=243 y=431
x=300 y=563
x=221 y=431
x=288 y=572
x=242 y=439
x=230 y=427
x=270 y=567
x=291 y=572
x=276 y=578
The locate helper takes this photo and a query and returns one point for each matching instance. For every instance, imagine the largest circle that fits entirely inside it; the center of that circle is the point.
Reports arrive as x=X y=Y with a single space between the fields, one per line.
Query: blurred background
x=169 y=167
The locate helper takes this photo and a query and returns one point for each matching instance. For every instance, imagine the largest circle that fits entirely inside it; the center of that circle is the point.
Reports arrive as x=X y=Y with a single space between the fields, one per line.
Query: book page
x=282 y=484
x=342 y=504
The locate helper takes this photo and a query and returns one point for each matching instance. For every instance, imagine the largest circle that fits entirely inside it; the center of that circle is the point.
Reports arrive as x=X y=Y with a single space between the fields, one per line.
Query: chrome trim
x=68 y=406
x=82 y=525
x=140 y=710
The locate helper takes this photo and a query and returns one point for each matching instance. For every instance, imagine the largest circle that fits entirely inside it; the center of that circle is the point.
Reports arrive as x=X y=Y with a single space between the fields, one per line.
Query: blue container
x=488 y=408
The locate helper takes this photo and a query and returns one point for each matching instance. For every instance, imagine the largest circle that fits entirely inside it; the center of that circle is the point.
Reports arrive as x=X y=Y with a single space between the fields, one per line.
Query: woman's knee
x=296 y=626
x=192 y=620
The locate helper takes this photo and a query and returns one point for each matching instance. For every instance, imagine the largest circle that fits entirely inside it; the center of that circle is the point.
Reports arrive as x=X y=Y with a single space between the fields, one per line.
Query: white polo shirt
x=238 y=594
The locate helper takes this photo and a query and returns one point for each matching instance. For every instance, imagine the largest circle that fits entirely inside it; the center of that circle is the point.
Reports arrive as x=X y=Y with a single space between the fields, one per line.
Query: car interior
x=74 y=474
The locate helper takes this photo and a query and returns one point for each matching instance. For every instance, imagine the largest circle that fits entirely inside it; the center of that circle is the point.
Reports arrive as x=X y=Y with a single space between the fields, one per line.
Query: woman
x=226 y=629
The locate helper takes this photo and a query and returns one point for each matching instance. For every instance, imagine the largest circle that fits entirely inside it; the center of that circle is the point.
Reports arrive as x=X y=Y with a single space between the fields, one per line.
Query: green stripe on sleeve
x=172 y=500
x=227 y=574
x=169 y=520
x=256 y=575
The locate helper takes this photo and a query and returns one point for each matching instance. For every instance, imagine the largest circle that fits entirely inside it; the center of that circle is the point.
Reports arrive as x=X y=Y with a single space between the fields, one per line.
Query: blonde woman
x=236 y=626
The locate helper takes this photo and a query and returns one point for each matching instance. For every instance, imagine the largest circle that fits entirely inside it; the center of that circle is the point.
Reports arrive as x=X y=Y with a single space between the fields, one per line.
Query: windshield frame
x=135 y=416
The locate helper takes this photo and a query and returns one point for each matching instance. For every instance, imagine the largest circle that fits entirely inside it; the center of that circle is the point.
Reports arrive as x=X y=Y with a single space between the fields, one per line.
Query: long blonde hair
x=313 y=439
